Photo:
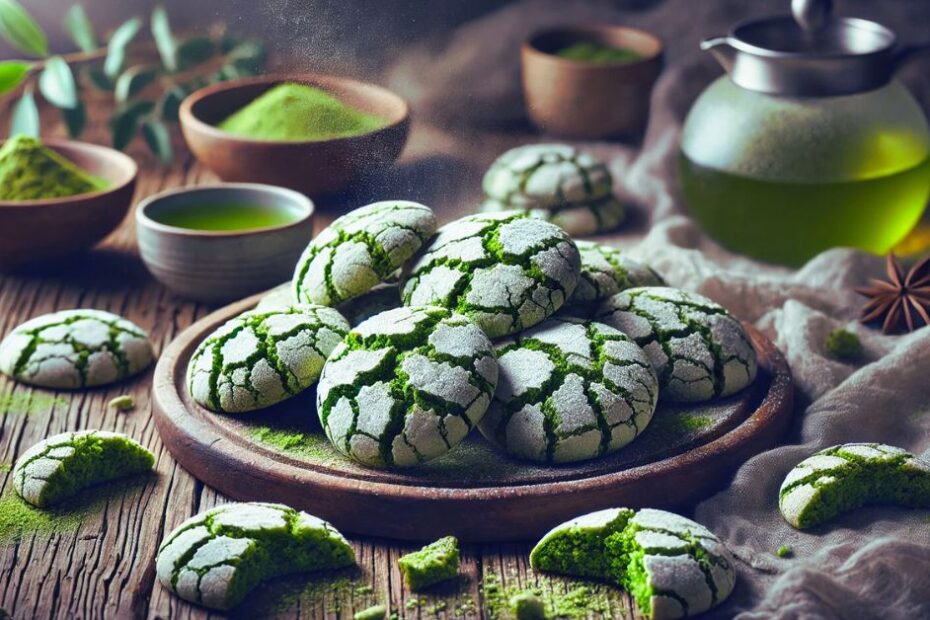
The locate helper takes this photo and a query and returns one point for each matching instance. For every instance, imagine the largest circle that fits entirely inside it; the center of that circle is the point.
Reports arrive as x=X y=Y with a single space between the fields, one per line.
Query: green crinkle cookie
x=61 y=466
x=605 y=271
x=360 y=250
x=406 y=386
x=672 y=566
x=546 y=176
x=217 y=557
x=278 y=298
x=436 y=562
x=584 y=218
x=697 y=348
x=380 y=299
x=75 y=349
x=570 y=390
x=258 y=358
x=847 y=476
x=505 y=271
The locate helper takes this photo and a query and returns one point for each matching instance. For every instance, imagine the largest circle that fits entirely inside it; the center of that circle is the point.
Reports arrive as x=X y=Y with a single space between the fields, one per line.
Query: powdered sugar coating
x=605 y=271
x=361 y=249
x=582 y=218
x=570 y=390
x=698 y=350
x=406 y=386
x=505 y=271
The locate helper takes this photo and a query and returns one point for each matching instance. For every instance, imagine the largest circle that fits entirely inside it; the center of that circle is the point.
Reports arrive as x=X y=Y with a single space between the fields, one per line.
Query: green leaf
x=98 y=78
x=119 y=41
x=133 y=80
x=57 y=83
x=22 y=32
x=158 y=138
x=247 y=57
x=194 y=51
x=25 y=118
x=12 y=74
x=79 y=28
x=164 y=40
x=124 y=124
x=75 y=119
x=170 y=103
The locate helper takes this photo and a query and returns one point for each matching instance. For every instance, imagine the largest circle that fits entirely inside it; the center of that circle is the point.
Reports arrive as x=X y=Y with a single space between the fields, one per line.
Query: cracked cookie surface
x=672 y=566
x=847 y=476
x=569 y=390
x=406 y=386
x=698 y=349
x=261 y=358
x=505 y=271
x=75 y=349
x=606 y=271
x=61 y=466
x=360 y=250
x=217 y=557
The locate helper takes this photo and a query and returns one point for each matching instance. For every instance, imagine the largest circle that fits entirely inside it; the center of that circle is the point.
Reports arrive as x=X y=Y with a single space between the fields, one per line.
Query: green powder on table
x=297 y=112
x=587 y=51
x=19 y=520
x=29 y=403
x=31 y=171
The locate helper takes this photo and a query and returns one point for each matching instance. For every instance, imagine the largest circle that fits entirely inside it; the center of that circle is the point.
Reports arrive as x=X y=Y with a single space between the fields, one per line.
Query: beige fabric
x=870 y=563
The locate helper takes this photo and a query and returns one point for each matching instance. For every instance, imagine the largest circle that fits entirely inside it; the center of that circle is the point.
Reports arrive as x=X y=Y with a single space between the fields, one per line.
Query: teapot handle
x=906 y=52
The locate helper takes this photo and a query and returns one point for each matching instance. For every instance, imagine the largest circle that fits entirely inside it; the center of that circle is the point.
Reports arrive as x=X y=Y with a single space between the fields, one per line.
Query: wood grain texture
x=105 y=567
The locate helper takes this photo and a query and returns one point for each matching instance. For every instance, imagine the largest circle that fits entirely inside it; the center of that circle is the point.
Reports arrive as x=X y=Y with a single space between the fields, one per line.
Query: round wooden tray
x=475 y=492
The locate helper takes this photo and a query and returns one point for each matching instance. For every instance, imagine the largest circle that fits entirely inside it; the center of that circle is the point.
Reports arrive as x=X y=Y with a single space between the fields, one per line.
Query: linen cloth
x=873 y=562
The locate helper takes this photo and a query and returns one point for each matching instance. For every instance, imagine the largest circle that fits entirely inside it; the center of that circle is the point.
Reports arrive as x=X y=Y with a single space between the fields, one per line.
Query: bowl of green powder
x=58 y=198
x=590 y=82
x=312 y=133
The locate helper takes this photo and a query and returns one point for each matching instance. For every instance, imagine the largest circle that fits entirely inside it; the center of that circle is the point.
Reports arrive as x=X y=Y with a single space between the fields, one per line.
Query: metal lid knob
x=812 y=15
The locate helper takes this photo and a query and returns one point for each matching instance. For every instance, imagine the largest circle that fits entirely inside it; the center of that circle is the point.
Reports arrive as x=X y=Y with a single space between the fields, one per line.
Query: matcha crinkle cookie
x=698 y=349
x=505 y=271
x=406 y=386
x=672 y=566
x=570 y=390
x=258 y=359
x=361 y=249
x=61 y=466
x=605 y=271
x=851 y=475
x=555 y=182
x=75 y=349
x=217 y=557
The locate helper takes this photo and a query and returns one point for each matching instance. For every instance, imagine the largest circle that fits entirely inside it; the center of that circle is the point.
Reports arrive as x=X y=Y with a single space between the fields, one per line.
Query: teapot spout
x=721 y=49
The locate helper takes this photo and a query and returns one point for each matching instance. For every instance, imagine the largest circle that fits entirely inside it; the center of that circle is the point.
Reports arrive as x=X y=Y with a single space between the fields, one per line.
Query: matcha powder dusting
x=297 y=112
x=31 y=171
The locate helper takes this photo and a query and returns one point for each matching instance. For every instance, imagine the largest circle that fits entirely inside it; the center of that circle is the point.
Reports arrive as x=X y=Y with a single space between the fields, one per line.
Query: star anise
x=902 y=301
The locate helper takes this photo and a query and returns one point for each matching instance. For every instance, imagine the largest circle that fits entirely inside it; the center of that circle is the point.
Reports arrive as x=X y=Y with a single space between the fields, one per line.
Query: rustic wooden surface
x=105 y=567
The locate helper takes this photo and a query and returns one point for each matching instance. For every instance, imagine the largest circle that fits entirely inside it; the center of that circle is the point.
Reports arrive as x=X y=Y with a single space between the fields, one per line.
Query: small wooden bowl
x=589 y=100
x=41 y=231
x=312 y=167
x=217 y=266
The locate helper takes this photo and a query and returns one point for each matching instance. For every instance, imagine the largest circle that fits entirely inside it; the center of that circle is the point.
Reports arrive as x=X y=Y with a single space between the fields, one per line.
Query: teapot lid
x=811 y=53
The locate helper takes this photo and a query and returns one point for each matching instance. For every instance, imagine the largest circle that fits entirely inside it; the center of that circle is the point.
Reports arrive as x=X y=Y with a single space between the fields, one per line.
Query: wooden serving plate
x=475 y=492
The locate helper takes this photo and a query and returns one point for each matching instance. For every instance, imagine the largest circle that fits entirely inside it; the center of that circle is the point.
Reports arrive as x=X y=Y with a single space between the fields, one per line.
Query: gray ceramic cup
x=220 y=266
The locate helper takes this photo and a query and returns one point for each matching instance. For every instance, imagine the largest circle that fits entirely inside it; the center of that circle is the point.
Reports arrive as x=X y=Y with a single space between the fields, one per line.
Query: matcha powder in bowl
x=31 y=171
x=299 y=113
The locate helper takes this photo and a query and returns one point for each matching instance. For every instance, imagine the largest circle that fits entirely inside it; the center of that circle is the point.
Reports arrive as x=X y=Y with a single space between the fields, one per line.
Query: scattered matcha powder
x=297 y=112
x=843 y=345
x=527 y=606
x=316 y=447
x=19 y=520
x=579 y=601
x=122 y=403
x=29 y=403
x=375 y=612
x=784 y=552
x=5 y=467
x=31 y=171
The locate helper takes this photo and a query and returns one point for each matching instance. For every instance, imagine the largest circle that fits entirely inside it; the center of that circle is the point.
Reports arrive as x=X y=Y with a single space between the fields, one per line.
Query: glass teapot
x=808 y=143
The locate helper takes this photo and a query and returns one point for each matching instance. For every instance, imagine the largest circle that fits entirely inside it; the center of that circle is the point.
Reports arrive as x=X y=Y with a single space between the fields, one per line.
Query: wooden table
x=105 y=568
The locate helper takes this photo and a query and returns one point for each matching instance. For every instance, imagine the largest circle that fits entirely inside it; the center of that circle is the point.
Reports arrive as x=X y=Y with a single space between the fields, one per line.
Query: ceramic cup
x=219 y=266
x=587 y=100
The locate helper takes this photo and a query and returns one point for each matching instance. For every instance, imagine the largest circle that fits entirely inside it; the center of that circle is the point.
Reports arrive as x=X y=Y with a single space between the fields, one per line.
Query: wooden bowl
x=41 y=231
x=312 y=167
x=217 y=266
x=582 y=99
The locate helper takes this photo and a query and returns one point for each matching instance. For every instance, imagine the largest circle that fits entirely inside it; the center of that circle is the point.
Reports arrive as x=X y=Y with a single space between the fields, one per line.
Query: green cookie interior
x=295 y=546
x=96 y=458
x=814 y=493
x=609 y=551
x=436 y=562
